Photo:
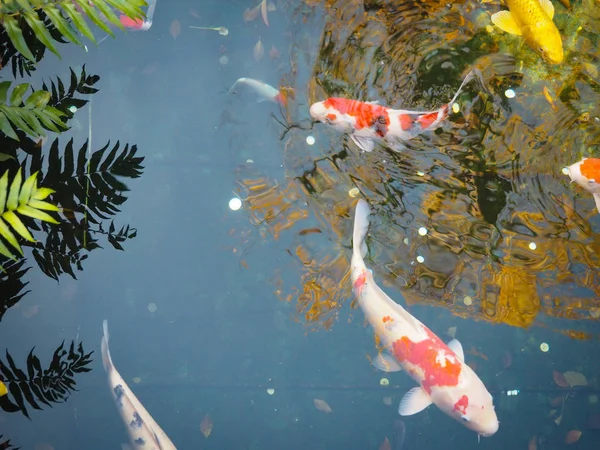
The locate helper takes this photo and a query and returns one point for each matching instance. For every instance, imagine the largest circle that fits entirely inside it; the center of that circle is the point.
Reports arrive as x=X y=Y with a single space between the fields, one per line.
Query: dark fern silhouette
x=38 y=387
x=12 y=285
x=6 y=445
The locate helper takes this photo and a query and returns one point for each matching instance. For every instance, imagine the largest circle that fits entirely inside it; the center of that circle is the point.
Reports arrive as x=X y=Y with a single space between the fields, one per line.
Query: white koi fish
x=369 y=122
x=586 y=173
x=263 y=90
x=440 y=370
x=144 y=432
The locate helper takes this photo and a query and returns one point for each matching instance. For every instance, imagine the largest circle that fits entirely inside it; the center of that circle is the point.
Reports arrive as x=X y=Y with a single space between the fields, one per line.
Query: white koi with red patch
x=144 y=433
x=586 y=173
x=263 y=90
x=369 y=122
x=443 y=377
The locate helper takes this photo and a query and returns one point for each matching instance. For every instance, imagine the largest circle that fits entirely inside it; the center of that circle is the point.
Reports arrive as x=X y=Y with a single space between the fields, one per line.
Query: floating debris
x=420 y=259
x=353 y=192
x=455 y=108
x=235 y=204
x=270 y=391
x=322 y=405
x=421 y=174
x=387 y=401
x=310 y=140
x=137 y=380
x=422 y=231
x=532 y=245
x=384 y=382
x=224 y=59
x=509 y=93
x=223 y=31
x=152 y=307
x=544 y=347
x=468 y=301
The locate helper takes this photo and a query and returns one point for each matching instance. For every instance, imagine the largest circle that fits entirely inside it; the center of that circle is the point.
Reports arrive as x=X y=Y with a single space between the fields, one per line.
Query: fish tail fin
x=280 y=99
x=473 y=73
x=106 y=359
x=361 y=226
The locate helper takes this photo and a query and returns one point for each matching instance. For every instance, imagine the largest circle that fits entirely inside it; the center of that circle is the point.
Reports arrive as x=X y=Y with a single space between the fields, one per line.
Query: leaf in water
x=322 y=405
x=385 y=445
x=175 y=29
x=206 y=426
x=274 y=53
x=560 y=379
x=572 y=436
x=251 y=14
x=259 y=50
x=575 y=379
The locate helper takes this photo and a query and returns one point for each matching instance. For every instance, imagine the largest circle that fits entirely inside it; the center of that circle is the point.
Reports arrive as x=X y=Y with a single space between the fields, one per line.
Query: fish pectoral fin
x=548 y=7
x=597 y=199
x=414 y=401
x=363 y=143
x=456 y=347
x=386 y=363
x=506 y=22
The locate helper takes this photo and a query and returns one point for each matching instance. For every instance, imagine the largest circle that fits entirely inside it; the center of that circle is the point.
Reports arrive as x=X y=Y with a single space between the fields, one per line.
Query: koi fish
x=440 y=370
x=586 y=173
x=137 y=24
x=144 y=432
x=532 y=19
x=369 y=122
x=263 y=90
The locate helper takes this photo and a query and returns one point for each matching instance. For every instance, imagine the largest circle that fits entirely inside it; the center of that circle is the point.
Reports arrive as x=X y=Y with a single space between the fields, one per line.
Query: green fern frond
x=31 y=116
x=26 y=199
x=68 y=16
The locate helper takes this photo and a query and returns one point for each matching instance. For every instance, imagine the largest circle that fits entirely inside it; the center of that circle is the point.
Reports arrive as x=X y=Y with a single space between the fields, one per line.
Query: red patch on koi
x=131 y=23
x=331 y=116
x=406 y=122
x=387 y=319
x=461 y=405
x=590 y=168
x=425 y=354
x=426 y=120
x=360 y=282
x=365 y=114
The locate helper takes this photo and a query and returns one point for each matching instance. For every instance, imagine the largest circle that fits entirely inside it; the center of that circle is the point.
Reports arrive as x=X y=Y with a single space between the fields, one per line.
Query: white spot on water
x=420 y=259
x=422 y=231
x=532 y=245
x=73 y=109
x=235 y=204
x=544 y=347
x=455 y=108
x=310 y=140
x=509 y=93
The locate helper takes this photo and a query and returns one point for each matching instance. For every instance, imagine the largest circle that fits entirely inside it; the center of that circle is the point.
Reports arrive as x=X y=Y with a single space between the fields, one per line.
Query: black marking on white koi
x=140 y=441
x=137 y=421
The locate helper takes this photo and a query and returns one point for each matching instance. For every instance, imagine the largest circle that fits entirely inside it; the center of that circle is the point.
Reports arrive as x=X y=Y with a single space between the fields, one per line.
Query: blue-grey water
x=197 y=327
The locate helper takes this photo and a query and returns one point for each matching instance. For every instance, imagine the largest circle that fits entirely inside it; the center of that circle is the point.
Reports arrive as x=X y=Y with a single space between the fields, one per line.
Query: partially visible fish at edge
x=586 y=173
x=144 y=433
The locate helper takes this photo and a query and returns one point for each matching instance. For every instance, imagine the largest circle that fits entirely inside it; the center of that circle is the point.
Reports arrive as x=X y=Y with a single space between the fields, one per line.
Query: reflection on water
x=476 y=217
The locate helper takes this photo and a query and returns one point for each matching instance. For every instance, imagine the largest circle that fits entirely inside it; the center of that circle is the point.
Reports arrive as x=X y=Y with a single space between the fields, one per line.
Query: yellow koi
x=532 y=19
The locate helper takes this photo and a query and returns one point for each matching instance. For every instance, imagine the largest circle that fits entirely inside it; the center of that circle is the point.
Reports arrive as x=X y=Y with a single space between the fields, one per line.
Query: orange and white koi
x=144 y=432
x=137 y=24
x=586 y=173
x=440 y=370
x=264 y=91
x=369 y=122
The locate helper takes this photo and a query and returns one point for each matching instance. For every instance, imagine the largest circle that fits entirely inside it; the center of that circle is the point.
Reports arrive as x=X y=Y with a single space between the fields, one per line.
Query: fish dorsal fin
x=386 y=363
x=506 y=22
x=414 y=401
x=548 y=7
x=455 y=346
x=597 y=200
x=363 y=143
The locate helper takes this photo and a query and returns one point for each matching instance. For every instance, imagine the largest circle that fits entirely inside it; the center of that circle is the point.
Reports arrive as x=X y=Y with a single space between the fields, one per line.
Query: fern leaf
x=13 y=29
x=11 y=280
x=40 y=30
x=22 y=198
x=32 y=116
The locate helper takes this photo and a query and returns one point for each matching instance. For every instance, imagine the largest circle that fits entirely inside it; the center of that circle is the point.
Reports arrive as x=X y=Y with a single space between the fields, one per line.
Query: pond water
x=233 y=321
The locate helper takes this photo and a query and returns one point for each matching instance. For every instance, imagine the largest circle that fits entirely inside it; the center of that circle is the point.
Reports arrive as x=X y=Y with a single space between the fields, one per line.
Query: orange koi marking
x=331 y=116
x=387 y=319
x=406 y=122
x=365 y=114
x=426 y=355
x=427 y=120
x=461 y=404
x=360 y=282
x=590 y=168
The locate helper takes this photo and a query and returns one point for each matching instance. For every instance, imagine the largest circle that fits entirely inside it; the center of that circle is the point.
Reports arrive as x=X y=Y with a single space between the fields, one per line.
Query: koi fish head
x=586 y=173
x=330 y=112
x=473 y=405
x=546 y=42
